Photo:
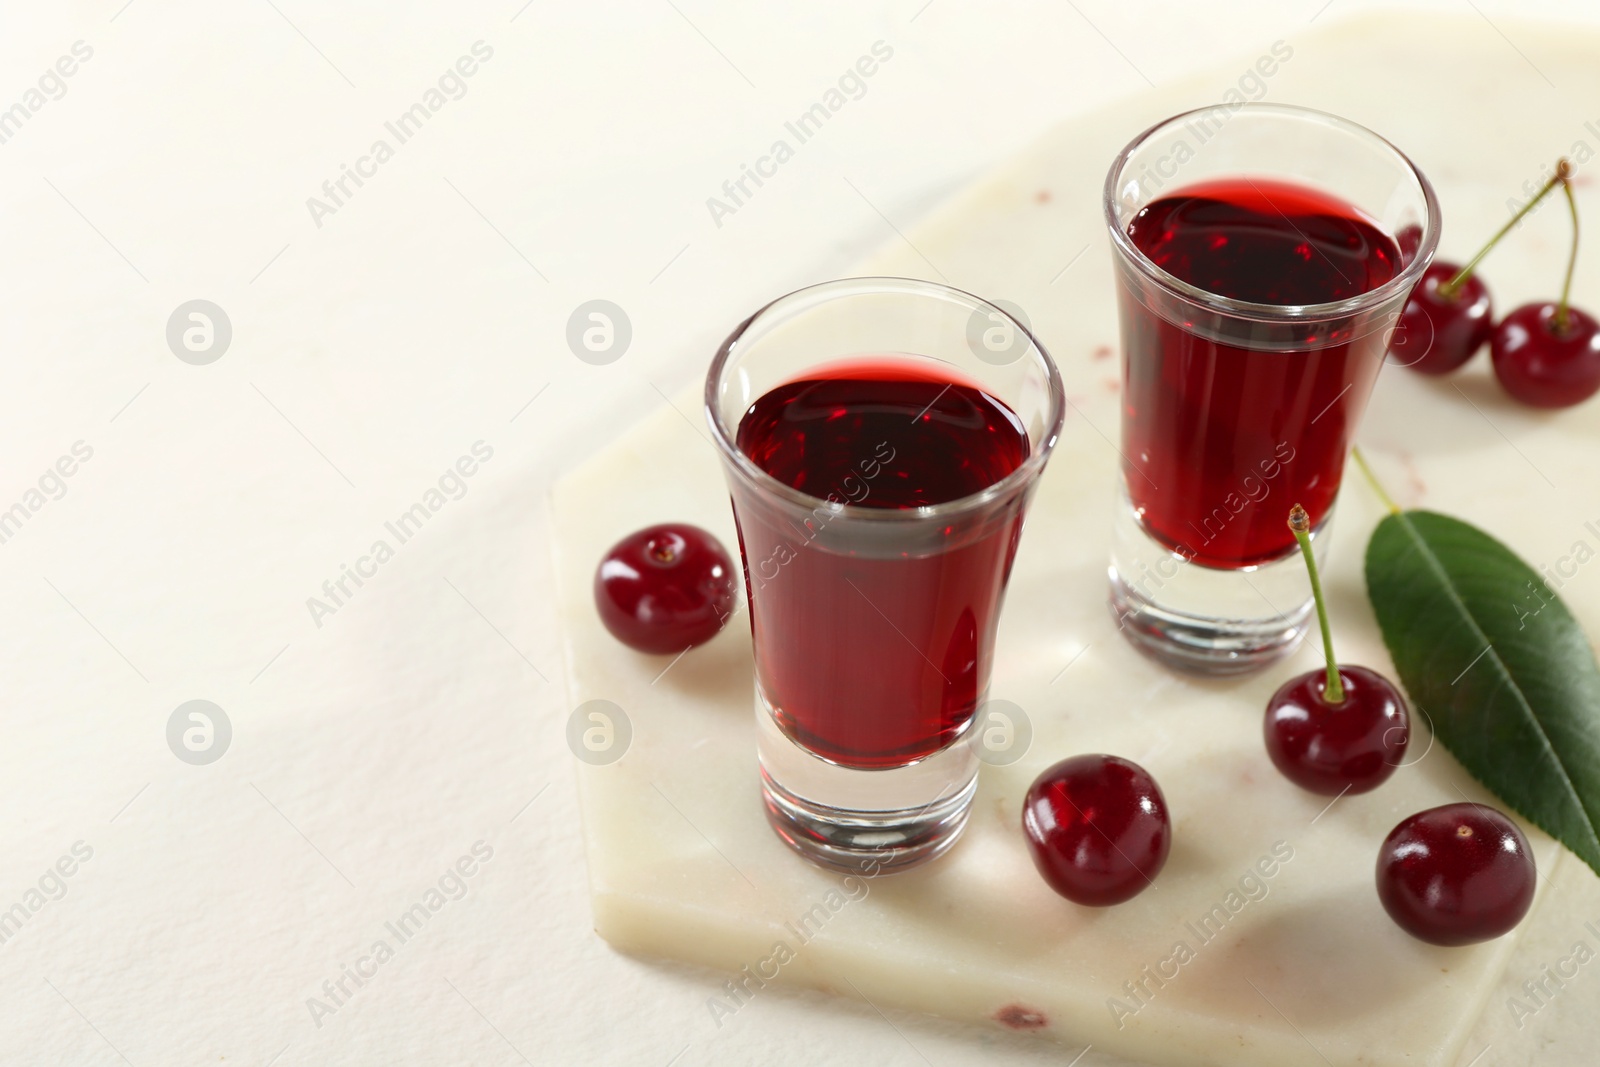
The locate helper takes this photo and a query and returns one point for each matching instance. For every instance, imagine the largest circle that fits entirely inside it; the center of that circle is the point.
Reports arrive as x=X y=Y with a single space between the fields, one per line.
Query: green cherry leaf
x=1487 y=649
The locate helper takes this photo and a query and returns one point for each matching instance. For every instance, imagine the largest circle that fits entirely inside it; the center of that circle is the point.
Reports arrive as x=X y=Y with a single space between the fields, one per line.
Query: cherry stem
x=1300 y=523
x=1449 y=289
x=1372 y=480
x=1572 y=259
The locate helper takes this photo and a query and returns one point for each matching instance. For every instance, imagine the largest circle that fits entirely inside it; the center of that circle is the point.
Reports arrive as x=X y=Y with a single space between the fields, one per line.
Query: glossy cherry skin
x=1097 y=827
x=665 y=588
x=1544 y=367
x=1436 y=334
x=1349 y=747
x=1456 y=875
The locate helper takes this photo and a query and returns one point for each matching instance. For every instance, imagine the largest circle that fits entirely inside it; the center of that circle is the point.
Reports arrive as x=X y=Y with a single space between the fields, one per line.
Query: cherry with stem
x=1339 y=730
x=1548 y=355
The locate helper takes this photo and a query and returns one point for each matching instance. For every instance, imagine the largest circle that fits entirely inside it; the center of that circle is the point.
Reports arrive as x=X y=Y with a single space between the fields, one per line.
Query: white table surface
x=423 y=715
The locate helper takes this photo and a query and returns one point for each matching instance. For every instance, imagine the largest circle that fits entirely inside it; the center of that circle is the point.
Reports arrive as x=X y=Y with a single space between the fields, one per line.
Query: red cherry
x=1097 y=827
x=665 y=588
x=1456 y=875
x=1540 y=363
x=1437 y=333
x=1352 y=746
x=1337 y=730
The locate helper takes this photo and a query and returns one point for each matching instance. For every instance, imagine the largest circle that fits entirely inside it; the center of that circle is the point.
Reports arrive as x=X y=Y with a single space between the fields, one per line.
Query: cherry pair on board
x=1545 y=354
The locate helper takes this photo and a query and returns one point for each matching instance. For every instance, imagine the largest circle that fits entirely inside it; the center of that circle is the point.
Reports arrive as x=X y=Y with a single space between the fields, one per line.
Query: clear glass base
x=1201 y=619
x=864 y=821
x=1200 y=644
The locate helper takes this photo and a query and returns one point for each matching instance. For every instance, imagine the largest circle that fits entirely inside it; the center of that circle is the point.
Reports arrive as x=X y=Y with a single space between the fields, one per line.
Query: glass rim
x=1403 y=282
x=1028 y=470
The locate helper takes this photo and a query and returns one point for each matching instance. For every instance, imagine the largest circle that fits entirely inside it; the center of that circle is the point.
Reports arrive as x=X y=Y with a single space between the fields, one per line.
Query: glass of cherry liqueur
x=1263 y=255
x=881 y=439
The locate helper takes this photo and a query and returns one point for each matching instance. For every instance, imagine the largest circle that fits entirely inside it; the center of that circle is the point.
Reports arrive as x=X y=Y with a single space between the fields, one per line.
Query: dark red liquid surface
x=873 y=646
x=1221 y=438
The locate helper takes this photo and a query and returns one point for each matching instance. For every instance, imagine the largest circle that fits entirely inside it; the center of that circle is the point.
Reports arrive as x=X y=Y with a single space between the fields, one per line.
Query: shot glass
x=874 y=622
x=1233 y=411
